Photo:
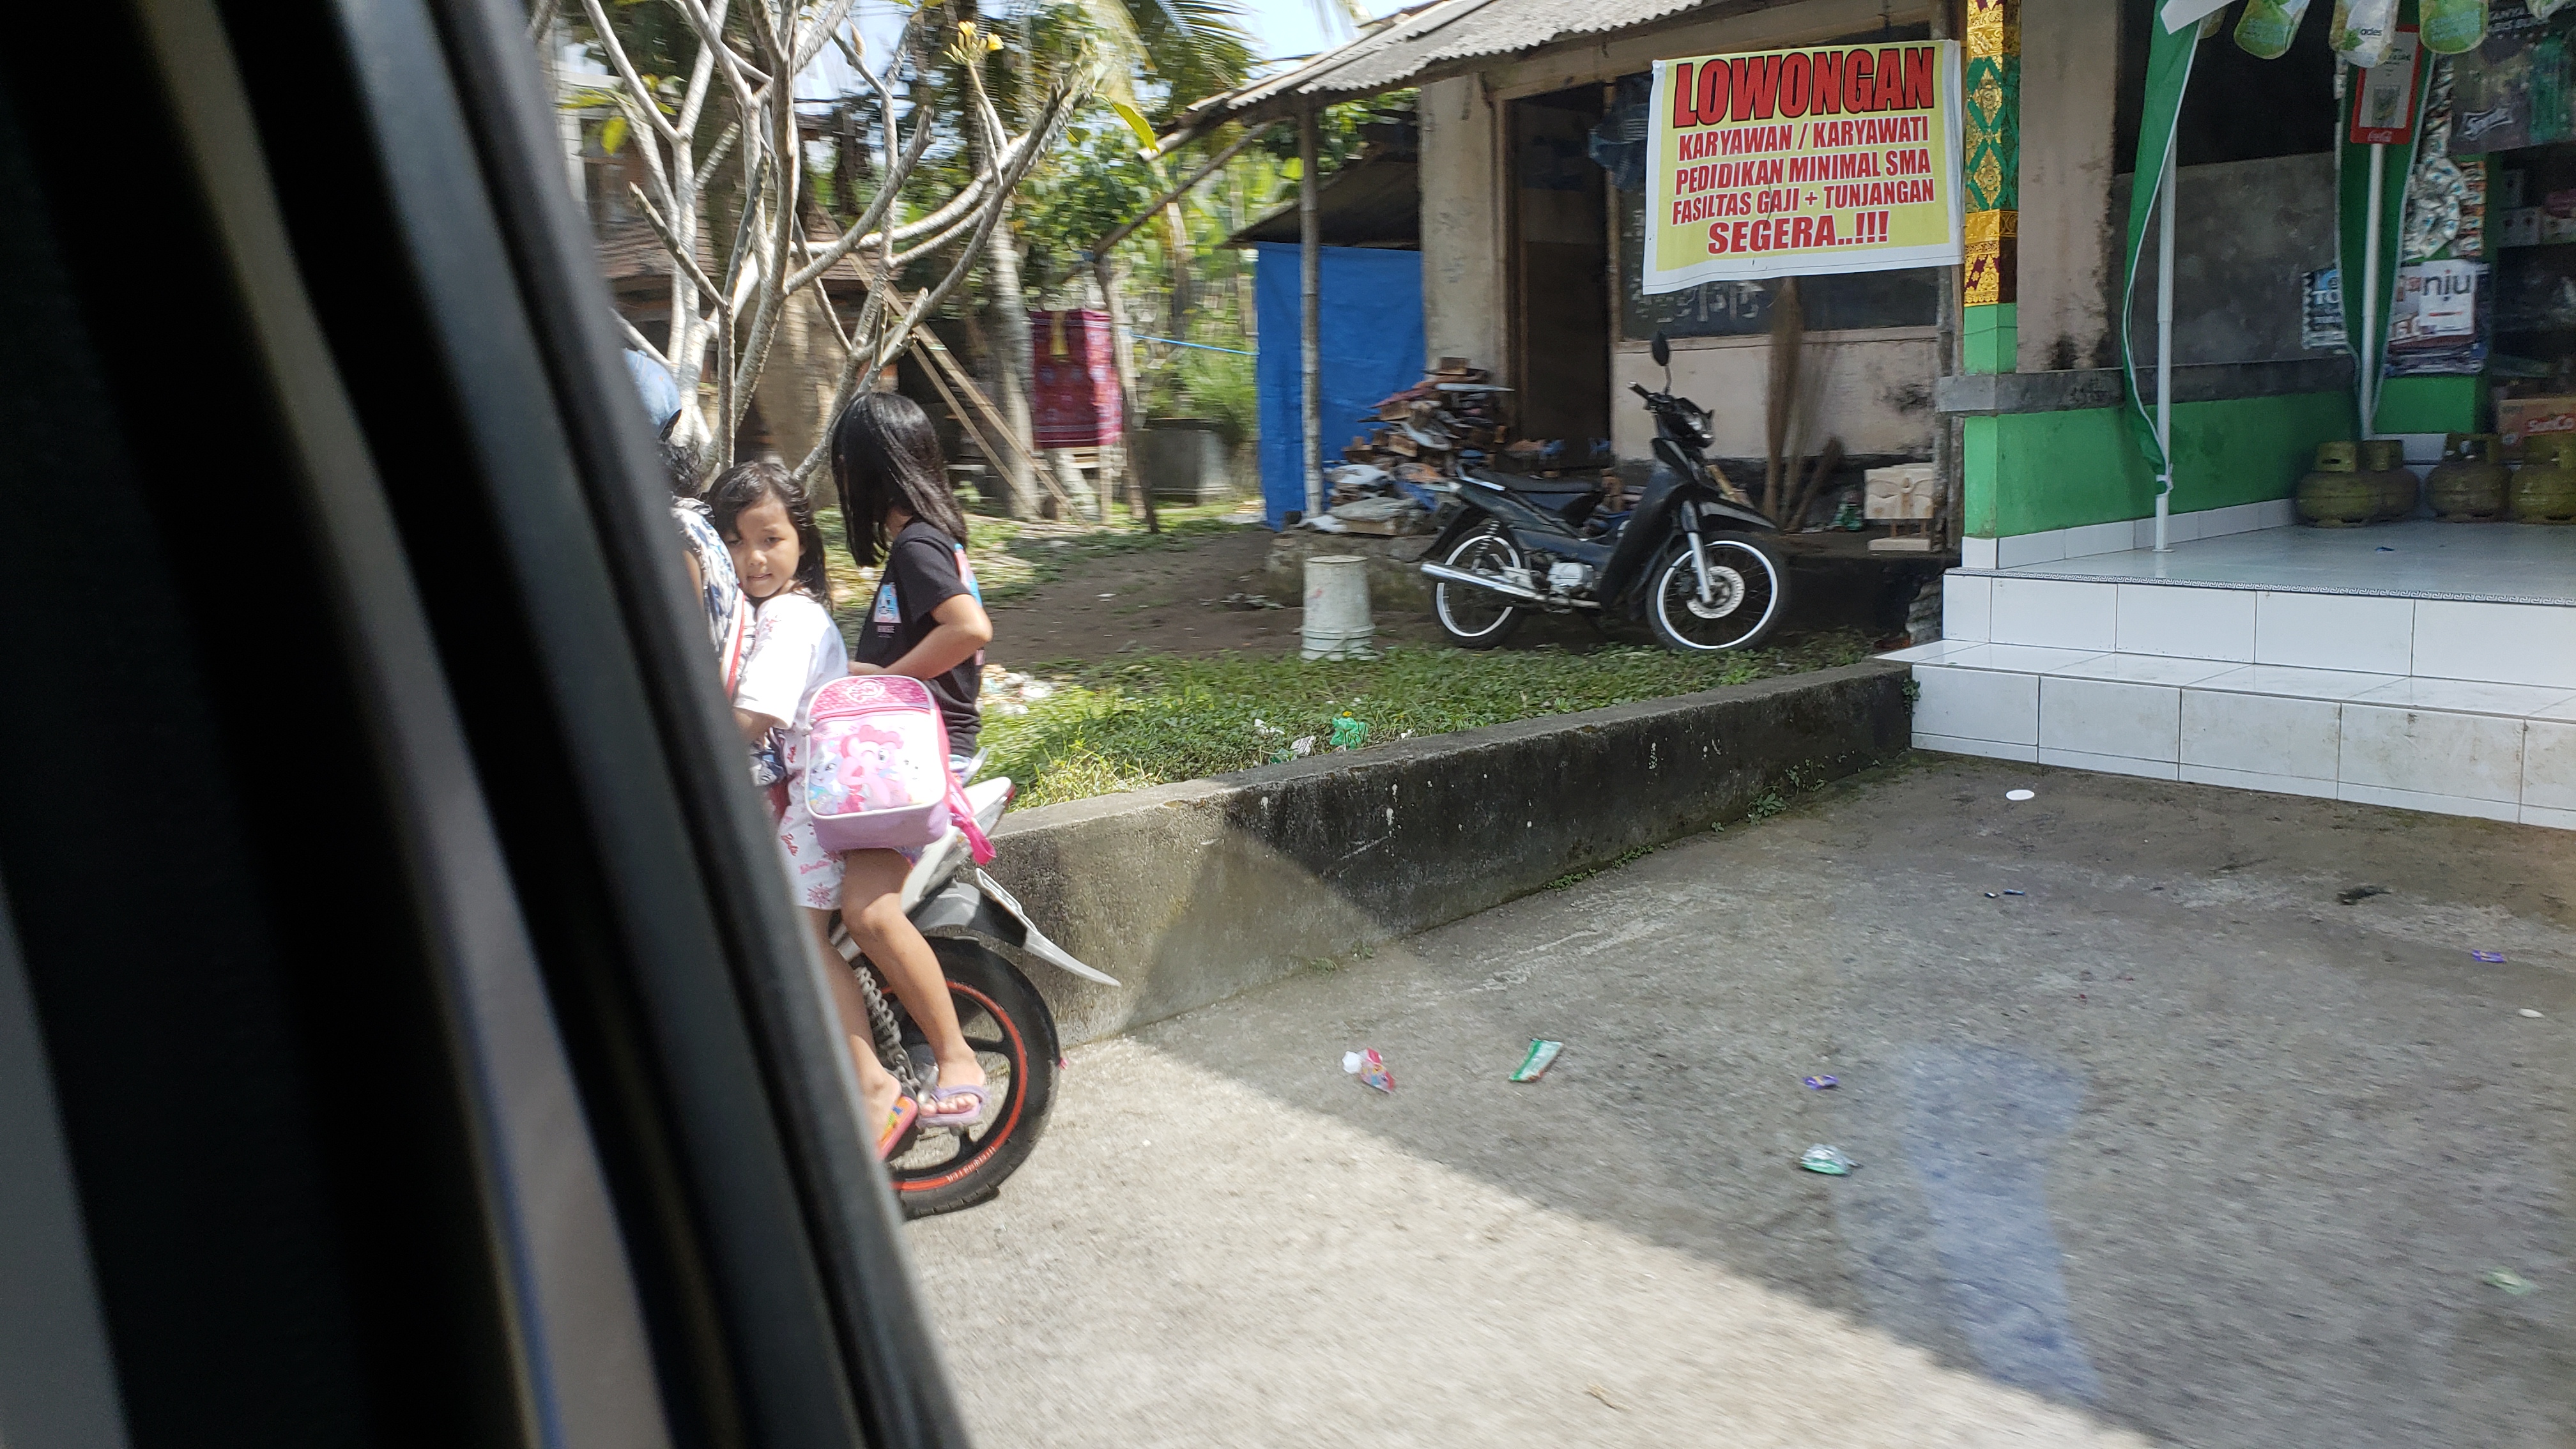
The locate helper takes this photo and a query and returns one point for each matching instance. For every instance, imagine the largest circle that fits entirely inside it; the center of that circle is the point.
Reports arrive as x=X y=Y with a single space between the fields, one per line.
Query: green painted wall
x=2029 y=472
x=1989 y=337
x=2433 y=404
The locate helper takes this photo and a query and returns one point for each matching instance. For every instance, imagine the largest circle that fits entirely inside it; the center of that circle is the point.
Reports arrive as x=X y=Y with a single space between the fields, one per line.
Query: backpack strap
x=977 y=844
x=737 y=644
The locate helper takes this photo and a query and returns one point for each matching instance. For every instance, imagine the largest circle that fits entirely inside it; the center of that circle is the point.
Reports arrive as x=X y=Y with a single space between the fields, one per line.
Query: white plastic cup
x=1338 y=625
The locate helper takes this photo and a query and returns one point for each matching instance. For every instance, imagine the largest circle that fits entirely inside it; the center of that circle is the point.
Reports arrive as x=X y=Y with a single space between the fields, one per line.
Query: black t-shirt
x=924 y=569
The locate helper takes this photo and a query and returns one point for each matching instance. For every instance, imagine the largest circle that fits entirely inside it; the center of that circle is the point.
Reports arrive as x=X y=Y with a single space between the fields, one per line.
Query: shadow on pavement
x=2176 y=1136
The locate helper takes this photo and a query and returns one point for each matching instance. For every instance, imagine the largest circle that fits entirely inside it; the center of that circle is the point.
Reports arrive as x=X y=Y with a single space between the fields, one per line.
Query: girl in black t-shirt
x=926 y=620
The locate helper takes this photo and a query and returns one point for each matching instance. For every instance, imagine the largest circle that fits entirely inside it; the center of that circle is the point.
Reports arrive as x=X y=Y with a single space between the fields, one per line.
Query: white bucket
x=1337 y=608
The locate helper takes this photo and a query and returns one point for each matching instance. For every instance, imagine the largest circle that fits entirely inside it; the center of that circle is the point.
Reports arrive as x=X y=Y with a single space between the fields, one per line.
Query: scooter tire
x=1004 y=1016
x=1760 y=573
x=1452 y=604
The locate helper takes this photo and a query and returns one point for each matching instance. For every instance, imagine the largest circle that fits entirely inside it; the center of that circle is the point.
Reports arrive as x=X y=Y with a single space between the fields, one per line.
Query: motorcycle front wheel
x=1475 y=618
x=1748 y=592
x=940 y=1170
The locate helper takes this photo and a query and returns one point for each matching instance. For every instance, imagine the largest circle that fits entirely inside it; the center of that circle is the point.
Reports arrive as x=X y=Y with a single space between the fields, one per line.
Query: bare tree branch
x=640 y=343
x=890 y=344
x=626 y=68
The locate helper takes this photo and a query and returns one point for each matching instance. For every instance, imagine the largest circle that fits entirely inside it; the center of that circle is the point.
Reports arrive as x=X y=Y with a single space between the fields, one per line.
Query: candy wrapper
x=1542 y=1055
x=1370 y=1068
x=1828 y=1160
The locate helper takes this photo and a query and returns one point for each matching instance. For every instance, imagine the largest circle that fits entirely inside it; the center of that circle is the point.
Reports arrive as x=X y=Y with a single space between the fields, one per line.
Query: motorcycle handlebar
x=1663 y=402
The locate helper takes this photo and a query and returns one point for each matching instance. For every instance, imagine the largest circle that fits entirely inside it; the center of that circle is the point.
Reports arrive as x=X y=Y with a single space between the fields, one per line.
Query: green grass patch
x=1123 y=726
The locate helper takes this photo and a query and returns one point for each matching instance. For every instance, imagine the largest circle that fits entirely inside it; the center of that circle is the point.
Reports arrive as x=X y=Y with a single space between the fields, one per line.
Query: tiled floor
x=2425 y=665
x=2263 y=621
x=2421 y=559
x=2497 y=750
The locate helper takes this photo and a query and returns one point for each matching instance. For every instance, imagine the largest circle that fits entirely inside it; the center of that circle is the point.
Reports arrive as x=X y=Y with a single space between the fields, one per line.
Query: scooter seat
x=942 y=861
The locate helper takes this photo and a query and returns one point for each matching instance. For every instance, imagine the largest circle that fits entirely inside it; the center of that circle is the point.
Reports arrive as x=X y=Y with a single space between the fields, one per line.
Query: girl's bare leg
x=877 y=1086
x=872 y=908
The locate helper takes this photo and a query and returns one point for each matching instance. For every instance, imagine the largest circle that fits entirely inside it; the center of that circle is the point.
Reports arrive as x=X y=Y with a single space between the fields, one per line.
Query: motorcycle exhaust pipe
x=1483 y=581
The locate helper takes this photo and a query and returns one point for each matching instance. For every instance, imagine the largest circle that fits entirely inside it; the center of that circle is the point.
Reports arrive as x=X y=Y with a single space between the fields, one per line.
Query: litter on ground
x=2527 y=1011
x=2492 y=958
x=1370 y=1068
x=2506 y=1279
x=1542 y=1055
x=1827 y=1160
x=2021 y=794
x=1823 y=1084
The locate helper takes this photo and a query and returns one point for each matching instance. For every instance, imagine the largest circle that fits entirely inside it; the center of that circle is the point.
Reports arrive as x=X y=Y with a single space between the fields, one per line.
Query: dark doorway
x=1560 y=270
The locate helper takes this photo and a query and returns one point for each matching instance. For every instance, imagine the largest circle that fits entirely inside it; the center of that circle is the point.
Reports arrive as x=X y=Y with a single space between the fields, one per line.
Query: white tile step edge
x=2498 y=751
x=2483 y=642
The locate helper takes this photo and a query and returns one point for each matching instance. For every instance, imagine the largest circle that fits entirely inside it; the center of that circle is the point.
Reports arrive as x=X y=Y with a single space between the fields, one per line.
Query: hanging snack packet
x=2361 y=30
x=2268 y=26
x=2453 y=26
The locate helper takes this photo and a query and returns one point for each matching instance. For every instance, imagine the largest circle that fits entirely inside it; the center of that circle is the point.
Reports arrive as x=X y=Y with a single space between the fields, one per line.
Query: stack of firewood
x=1418 y=433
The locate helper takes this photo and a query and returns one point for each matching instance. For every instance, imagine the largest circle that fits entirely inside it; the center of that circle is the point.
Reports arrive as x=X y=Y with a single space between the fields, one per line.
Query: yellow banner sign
x=1796 y=162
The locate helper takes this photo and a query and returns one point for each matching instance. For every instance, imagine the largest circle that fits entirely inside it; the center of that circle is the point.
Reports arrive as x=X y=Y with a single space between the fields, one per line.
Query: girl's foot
x=956 y=1107
x=901 y=1117
x=879 y=1095
x=960 y=1097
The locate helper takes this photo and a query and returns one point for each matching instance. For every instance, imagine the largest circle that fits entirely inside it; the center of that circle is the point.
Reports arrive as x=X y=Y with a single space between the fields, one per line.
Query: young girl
x=927 y=621
x=777 y=554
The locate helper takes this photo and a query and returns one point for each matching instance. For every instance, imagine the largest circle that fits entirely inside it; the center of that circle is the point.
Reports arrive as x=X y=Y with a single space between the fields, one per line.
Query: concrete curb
x=1192 y=892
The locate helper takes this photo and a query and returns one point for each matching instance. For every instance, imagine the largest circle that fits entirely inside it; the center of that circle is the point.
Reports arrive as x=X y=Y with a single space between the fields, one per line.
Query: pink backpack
x=876 y=768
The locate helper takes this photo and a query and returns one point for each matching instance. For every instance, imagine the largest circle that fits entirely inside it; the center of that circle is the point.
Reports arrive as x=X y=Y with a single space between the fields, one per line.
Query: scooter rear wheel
x=1475 y=618
x=1005 y=1020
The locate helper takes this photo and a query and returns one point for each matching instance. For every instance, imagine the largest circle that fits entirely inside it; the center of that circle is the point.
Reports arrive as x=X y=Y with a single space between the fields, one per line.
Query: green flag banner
x=2168 y=76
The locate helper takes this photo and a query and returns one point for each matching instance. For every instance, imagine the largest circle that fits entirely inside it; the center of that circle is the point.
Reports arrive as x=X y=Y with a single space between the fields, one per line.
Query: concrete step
x=2499 y=750
x=2529 y=642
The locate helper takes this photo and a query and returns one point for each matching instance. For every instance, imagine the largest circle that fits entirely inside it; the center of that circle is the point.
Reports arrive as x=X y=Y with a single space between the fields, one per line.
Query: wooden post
x=1131 y=421
x=1310 y=264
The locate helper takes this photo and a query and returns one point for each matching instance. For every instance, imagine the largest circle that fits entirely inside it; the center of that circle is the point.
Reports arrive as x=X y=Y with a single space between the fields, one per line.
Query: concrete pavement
x=2178 y=1147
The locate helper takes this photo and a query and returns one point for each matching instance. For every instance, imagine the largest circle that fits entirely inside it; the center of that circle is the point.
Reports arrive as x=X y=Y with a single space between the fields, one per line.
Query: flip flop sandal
x=939 y=1097
x=898 y=1121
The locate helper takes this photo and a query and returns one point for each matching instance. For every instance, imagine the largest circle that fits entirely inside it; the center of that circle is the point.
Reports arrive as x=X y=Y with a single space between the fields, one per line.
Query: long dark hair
x=885 y=455
x=748 y=485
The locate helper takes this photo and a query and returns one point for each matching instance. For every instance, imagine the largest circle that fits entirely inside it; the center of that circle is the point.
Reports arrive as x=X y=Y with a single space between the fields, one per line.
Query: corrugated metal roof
x=1410 y=45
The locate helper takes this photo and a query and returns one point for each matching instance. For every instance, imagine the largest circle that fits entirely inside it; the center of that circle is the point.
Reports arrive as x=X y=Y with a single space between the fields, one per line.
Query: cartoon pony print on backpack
x=885 y=744
x=880 y=769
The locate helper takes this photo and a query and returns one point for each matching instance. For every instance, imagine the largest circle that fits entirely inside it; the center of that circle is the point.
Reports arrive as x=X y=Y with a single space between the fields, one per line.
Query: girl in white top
x=768 y=528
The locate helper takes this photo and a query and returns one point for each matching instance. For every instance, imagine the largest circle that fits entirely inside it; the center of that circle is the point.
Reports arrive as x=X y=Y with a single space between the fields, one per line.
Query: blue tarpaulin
x=1372 y=346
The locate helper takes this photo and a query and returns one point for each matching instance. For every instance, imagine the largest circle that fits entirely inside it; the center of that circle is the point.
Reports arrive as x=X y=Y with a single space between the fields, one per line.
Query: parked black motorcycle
x=1687 y=556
